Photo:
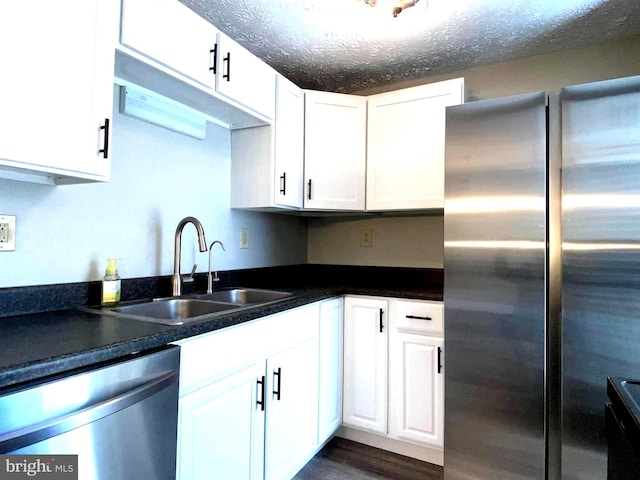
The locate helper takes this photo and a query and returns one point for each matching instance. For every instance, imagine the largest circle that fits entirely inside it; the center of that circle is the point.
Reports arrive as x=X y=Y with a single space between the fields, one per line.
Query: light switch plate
x=7 y=233
x=244 y=238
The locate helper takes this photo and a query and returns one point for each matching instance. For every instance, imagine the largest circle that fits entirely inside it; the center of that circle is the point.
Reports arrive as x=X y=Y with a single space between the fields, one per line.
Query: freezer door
x=494 y=289
x=601 y=262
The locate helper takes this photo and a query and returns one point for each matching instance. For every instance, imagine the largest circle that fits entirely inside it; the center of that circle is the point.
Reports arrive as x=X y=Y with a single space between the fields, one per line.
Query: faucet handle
x=189 y=278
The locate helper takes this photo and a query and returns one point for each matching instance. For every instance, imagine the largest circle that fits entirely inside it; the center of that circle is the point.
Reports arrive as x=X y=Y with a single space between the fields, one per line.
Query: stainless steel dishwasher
x=119 y=417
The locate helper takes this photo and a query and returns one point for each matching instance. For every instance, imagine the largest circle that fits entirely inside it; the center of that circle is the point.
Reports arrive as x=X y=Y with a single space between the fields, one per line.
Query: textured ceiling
x=347 y=46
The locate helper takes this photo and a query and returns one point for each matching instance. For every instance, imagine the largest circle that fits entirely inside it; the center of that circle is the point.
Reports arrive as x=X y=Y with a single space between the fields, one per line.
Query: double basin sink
x=194 y=307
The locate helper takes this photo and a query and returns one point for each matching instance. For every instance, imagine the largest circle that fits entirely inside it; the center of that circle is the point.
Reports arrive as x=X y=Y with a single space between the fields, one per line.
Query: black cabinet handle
x=381 y=324
x=227 y=59
x=214 y=50
x=283 y=183
x=277 y=373
x=260 y=385
x=105 y=149
x=417 y=317
x=439 y=360
x=309 y=190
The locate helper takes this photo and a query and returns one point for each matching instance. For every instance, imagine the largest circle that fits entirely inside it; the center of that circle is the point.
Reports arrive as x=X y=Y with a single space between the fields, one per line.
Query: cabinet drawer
x=420 y=316
x=208 y=357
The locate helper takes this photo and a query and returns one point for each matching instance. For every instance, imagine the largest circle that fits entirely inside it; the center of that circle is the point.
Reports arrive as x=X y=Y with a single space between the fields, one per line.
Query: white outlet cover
x=366 y=240
x=10 y=244
x=244 y=238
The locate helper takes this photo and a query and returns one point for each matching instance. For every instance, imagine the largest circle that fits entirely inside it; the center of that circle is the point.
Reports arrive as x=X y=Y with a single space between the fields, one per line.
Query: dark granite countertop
x=37 y=345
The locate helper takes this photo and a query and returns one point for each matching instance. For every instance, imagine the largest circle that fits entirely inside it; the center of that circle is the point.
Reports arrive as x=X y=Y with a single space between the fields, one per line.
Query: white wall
x=397 y=241
x=66 y=233
x=416 y=241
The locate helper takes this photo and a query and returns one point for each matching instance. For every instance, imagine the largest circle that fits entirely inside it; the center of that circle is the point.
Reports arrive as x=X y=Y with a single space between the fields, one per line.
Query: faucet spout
x=210 y=278
x=176 y=282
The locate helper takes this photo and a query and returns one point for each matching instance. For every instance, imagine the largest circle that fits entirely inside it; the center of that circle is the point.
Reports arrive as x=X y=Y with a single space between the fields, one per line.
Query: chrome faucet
x=211 y=279
x=176 y=289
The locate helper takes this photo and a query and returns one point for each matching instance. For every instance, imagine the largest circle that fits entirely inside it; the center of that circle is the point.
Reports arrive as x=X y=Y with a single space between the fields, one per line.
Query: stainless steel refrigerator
x=541 y=278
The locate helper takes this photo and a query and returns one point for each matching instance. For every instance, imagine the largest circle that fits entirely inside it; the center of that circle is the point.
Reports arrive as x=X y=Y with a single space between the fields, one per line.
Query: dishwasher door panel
x=124 y=426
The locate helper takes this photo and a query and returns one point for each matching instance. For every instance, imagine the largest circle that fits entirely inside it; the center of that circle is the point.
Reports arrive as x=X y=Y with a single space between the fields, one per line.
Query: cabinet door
x=267 y=162
x=292 y=410
x=221 y=428
x=289 y=144
x=416 y=388
x=365 y=364
x=405 y=146
x=334 y=151
x=330 y=369
x=244 y=78
x=171 y=34
x=57 y=90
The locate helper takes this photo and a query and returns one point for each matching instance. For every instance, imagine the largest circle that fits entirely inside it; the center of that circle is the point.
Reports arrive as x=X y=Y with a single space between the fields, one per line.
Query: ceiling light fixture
x=397 y=6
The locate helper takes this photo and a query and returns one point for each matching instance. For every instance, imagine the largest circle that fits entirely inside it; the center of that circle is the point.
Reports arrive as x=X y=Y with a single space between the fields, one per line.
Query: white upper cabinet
x=267 y=162
x=289 y=144
x=244 y=78
x=167 y=48
x=334 y=151
x=170 y=33
x=405 y=146
x=57 y=89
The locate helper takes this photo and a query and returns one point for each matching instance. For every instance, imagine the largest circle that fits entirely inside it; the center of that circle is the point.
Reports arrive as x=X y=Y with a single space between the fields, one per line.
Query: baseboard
x=426 y=454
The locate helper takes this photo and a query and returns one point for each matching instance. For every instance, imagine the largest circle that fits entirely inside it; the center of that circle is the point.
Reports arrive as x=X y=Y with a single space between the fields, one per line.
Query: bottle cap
x=112 y=267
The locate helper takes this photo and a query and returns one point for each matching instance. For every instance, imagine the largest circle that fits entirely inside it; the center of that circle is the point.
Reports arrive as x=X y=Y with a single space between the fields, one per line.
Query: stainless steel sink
x=168 y=311
x=243 y=296
x=174 y=309
x=191 y=308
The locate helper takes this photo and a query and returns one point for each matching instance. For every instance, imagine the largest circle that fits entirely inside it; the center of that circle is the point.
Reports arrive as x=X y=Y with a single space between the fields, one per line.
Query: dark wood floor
x=343 y=459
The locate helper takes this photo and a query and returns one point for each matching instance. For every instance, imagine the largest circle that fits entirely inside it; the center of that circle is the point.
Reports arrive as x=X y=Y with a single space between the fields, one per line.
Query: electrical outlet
x=366 y=240
x=7 y=233
x=244 y=238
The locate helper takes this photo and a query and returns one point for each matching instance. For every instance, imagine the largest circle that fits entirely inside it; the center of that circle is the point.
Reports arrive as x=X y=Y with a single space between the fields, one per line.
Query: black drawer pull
x=227 y=60
x=277 y=373
x=105 y=150
x=214 y=50
x=260 y=397
x=418 y=317
x=283 y=183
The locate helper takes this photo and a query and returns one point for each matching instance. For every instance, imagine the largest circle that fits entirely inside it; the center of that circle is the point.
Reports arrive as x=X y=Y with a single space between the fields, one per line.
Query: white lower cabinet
x=394 y=375
x=416 y=388
x=291 y=409
x=365 y=364
x=221 y=431
x=330 y=369
x=249 y=397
